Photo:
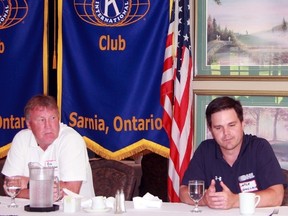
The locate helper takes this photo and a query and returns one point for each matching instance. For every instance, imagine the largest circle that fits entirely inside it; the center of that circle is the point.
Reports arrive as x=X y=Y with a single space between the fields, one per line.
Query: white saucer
x=91 y=210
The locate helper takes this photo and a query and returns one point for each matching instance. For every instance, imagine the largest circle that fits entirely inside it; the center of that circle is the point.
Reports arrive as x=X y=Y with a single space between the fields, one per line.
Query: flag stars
x=186 y=37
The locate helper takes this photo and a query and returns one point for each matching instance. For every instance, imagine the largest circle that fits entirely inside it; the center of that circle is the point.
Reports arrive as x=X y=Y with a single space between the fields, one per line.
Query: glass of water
x=196 y=190
x=12 y=187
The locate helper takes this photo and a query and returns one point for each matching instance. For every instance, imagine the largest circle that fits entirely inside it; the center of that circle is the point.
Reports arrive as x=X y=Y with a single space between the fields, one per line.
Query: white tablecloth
x=167 y=209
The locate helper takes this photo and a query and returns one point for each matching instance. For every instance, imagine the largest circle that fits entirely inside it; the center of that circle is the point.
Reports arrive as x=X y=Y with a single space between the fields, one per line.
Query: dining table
x=166 y=209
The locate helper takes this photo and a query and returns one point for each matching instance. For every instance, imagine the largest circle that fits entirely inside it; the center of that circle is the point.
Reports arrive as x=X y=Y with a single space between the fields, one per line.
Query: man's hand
x=57 y=191
x=24 y=182
x=220 y=200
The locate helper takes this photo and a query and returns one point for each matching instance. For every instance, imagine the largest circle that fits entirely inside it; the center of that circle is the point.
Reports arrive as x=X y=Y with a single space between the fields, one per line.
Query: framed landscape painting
x=264 y=116
x=242 y=38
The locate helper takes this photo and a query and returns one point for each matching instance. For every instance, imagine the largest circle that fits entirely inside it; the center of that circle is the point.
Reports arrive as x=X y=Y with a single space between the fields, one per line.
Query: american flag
x=176 y=95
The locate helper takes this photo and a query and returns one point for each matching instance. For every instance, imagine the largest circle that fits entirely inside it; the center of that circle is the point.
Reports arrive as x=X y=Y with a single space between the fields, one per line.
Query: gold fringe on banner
x=136 y=148
x=4 y=150
x=129 y=151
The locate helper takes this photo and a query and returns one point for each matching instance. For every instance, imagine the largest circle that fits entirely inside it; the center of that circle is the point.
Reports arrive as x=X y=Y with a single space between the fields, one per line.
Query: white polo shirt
x=68 y=154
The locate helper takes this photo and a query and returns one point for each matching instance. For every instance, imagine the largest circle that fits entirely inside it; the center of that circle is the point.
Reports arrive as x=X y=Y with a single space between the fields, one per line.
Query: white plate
x=90 y=210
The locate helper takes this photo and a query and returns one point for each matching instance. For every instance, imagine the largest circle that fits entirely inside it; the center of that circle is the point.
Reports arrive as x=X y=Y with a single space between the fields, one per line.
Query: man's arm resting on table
x=24 y=193
x=73 y=186
x=272 y=196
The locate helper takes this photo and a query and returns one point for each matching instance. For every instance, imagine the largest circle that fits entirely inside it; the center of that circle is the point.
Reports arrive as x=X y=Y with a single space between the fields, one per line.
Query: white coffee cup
x=99 y=202
x=248 y=202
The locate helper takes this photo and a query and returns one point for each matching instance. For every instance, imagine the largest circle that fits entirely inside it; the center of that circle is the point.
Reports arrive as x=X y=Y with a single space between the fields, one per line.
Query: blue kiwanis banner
x=21 y=62
x=110 y=62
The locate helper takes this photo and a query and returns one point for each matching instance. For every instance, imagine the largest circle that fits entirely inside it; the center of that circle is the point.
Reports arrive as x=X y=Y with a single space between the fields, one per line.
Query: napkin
x=147 y=201
x=71 y=193
x=73 y=202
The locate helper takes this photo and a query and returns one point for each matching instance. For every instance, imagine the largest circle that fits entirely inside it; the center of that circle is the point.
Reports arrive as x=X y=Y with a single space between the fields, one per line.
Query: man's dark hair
x=223 y=103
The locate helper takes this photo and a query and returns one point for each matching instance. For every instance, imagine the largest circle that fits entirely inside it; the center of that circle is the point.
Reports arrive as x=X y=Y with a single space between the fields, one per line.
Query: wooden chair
x=2 y=161
x=154 y=176
x=285 y=200
x=110 y=176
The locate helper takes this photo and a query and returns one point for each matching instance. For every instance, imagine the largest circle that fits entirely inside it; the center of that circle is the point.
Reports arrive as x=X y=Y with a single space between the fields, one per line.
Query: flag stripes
x=176 y=95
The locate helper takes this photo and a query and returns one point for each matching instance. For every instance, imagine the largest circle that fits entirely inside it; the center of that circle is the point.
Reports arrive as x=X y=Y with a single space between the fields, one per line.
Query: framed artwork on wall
x=264 y=116
x=233 y=40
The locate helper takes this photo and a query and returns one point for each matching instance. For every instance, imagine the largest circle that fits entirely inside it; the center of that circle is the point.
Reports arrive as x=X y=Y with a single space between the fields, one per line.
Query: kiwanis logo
x=12 y=12
x=111 y=13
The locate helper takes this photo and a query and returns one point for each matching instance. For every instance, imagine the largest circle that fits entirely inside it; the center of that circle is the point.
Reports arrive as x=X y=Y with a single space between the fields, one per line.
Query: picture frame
x=271 y=112
x=230 y=44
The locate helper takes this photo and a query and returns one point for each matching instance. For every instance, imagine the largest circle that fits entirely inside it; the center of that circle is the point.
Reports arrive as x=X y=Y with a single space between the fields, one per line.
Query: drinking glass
x=196 y=190
x=12 y=187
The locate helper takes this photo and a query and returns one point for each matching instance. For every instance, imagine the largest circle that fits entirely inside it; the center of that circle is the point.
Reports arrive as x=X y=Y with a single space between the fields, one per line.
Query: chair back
x=2 y=193
x=285 y=200
x=110 y=176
